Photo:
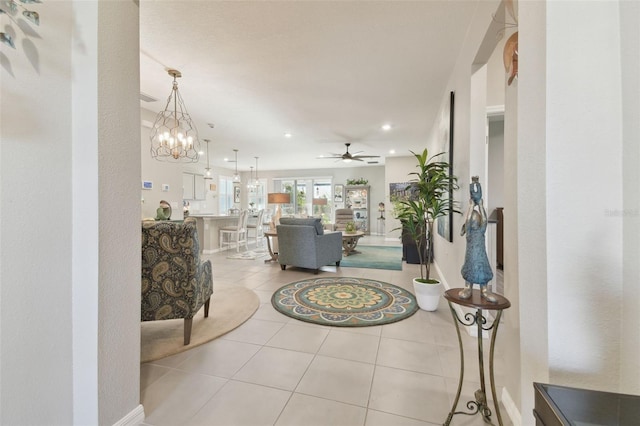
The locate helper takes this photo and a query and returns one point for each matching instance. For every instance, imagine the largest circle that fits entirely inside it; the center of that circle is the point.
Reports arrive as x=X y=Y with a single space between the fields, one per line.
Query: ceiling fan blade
x=349 y=156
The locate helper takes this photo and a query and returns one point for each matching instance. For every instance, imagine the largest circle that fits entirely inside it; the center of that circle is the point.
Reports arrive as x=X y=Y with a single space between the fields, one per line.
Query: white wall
x=571 y=272
x=86 y=209
x=516 y=164
x=584 y=245
x=35 y=248
x=630 y=64
x=70 y=235
x=119 y=225
x=450 y=256
x=496 y=73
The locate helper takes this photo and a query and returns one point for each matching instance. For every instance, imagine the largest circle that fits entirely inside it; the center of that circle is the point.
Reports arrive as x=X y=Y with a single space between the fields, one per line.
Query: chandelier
x=207 y=170
x=174 y=137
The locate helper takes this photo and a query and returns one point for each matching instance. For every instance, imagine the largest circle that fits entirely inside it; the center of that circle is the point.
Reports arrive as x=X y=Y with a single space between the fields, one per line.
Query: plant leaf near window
x=359 y=181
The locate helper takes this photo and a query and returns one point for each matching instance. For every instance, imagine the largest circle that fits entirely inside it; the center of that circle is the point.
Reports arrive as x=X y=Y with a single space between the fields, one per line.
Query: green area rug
x=375 y=257
x=344 y=302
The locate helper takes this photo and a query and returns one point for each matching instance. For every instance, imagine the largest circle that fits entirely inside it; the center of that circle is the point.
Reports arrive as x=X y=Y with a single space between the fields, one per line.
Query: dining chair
x=266 y=220
x=256 y=228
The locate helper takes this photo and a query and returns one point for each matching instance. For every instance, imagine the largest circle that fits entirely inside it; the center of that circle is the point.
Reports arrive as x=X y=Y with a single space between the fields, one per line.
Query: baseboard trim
x=510 y=407
x=134 y=418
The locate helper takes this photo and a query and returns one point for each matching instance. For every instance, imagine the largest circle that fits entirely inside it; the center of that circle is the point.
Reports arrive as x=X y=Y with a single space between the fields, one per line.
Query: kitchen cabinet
x=193 y=187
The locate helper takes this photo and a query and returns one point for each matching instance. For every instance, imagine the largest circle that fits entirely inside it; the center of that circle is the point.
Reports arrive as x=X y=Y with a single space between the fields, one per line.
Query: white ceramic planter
x=427 y=295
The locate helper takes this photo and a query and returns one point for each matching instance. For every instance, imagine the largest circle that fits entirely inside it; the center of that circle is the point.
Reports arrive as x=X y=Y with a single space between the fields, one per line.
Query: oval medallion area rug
x=344 y=302
x=230 y=307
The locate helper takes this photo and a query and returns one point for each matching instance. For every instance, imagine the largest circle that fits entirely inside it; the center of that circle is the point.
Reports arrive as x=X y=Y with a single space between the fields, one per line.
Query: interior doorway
x=495 y=181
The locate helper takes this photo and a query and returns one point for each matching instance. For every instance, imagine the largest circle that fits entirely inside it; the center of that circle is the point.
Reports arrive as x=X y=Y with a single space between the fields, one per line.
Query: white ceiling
x=328 y=72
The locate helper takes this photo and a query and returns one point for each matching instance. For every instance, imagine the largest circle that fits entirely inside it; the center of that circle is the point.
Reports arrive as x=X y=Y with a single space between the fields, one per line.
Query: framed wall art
x=338 y=193
x=445 y=228
x=236 y=194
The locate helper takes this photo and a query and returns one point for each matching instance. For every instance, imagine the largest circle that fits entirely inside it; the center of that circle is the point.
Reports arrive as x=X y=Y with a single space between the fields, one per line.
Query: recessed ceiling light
x=392 y=151
x=226 y=159
x=200 y=152
x=287 y=135
x=386 y=127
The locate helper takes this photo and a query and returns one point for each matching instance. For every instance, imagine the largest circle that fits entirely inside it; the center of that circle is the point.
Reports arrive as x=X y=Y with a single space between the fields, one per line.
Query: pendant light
x=256 y=182
x=250 y=183
x=236 y=176
x=174 y=137
x=207 y=170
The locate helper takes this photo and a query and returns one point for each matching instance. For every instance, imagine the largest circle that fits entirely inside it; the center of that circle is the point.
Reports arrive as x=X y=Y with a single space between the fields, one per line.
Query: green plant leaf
x=432 y=197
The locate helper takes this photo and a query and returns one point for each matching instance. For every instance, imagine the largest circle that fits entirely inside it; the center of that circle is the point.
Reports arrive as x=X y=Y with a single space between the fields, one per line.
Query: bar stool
x=239 y=232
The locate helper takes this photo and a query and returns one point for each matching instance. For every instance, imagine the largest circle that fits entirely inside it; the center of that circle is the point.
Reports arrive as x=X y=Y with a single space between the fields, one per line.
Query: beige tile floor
x=274 y=370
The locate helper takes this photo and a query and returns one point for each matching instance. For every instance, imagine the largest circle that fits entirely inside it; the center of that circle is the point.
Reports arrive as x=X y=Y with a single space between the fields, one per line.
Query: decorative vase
x=427 y=294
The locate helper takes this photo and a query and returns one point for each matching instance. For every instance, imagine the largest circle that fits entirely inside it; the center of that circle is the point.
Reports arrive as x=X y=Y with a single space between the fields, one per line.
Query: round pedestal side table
x=272 y=237
x=480 y=404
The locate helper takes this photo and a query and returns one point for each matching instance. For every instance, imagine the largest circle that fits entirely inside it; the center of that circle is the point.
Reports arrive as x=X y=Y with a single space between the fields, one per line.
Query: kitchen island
x=209 y=230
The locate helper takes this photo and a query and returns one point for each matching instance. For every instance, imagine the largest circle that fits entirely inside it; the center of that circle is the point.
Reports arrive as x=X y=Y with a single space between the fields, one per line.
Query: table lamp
x=277 y=198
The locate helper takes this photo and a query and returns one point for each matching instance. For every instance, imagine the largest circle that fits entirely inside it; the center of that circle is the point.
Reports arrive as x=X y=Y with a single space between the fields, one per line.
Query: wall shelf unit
x=357 y=199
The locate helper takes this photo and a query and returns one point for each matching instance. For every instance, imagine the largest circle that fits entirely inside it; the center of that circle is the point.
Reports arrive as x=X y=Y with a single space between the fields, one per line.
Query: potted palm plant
x=431 y=192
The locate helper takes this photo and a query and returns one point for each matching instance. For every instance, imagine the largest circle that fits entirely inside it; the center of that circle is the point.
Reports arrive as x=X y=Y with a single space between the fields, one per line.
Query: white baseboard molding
x=510 y=406
x=134 y=418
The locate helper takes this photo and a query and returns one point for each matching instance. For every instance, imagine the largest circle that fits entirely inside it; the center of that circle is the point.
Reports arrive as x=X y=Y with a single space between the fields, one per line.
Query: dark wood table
x=480 y=405
x=562 y=405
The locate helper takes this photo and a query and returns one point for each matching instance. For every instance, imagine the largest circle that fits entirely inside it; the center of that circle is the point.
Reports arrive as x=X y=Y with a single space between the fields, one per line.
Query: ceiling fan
x=348 y=157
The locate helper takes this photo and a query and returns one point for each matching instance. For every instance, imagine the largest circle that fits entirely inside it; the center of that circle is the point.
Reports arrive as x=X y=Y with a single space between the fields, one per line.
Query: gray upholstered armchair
x=175 y=282
x=303 y=243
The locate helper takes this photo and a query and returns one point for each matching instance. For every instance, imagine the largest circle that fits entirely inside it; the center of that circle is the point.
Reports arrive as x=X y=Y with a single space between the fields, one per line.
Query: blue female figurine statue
x=476 y=268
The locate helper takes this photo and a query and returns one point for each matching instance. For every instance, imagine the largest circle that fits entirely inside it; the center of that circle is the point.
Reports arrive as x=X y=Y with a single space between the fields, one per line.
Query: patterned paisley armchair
x=175 y=282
